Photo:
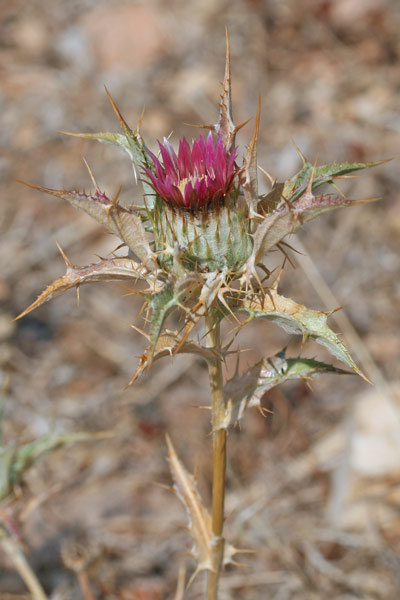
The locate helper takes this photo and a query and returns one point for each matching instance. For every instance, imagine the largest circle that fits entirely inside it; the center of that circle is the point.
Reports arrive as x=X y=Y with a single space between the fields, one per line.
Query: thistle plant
x=198 y=241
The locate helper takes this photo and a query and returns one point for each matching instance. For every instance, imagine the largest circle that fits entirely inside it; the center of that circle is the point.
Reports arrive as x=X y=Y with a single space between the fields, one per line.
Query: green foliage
x=299 y=320
x=15 y=460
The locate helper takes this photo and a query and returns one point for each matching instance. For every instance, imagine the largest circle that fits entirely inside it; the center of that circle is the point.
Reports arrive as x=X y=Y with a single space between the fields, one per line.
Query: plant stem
x=84 y=584
x=15 y=553
x=219 y=458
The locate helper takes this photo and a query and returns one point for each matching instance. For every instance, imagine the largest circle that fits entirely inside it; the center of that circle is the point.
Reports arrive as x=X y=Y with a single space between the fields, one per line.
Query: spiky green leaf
x=294 y=187
x=133 y=144
x=300 y=320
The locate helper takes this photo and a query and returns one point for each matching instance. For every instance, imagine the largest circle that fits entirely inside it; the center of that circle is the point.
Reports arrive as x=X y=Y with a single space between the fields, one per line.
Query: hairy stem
x=219 y=459
x=11 y=547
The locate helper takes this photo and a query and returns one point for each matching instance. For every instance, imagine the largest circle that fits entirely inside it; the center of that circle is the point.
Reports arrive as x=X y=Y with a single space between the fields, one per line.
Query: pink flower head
x=196 y=176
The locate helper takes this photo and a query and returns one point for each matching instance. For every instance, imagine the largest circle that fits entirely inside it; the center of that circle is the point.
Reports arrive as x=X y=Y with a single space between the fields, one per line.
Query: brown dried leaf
x=113 y=269
x=168 y=344
x=199 y=518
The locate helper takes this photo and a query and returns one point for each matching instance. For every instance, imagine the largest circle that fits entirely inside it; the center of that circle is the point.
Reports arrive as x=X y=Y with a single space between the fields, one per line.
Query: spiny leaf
x=168 y=344
x=293 y=188
x=113 y=269
x=120 y=221
x=136 y=149
x=246 y=390
x=130 y=141
x=198 y=516
x=286 y=218
x=15 y=460
x=296 y=318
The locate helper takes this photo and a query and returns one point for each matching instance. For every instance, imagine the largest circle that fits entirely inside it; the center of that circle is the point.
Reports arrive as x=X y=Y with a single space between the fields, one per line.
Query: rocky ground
x=314 y=488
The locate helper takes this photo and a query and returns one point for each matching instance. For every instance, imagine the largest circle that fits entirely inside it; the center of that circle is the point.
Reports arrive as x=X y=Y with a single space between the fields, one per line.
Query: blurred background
x=314 y=488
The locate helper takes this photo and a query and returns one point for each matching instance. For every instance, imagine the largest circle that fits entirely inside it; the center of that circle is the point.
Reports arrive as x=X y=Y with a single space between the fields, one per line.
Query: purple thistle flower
x=196 y=176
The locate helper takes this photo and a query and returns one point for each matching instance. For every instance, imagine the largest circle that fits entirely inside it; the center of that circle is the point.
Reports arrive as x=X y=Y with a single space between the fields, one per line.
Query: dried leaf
x=246 y=390
x=168 y=344
x=198 y=516
x=120 y=221
x=113 y=269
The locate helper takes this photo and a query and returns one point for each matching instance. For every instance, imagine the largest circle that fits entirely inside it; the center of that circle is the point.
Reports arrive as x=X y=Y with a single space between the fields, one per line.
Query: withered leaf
x=112 y=269
x=122 y=222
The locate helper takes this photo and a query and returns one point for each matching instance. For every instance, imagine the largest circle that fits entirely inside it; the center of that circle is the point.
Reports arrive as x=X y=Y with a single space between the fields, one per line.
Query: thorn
x=39 y=188
x=292 y=248
x=211 y=127
x=91 y=174
x=70 y=133
x=299 y=152
x=311 y=180
x=270 y=178
x=164 y=486
x=144 y=333
x=193 y=577
x=238 y=127
x=114 y=202
x=238 y=564
x=227 y=78
x=339 y=191
x=328 y=314
x=286 y=255
x=140 y=119
x=221 y=298
x=65 y=257
x=122 y=122
x=171 y=449
x=274 y=285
